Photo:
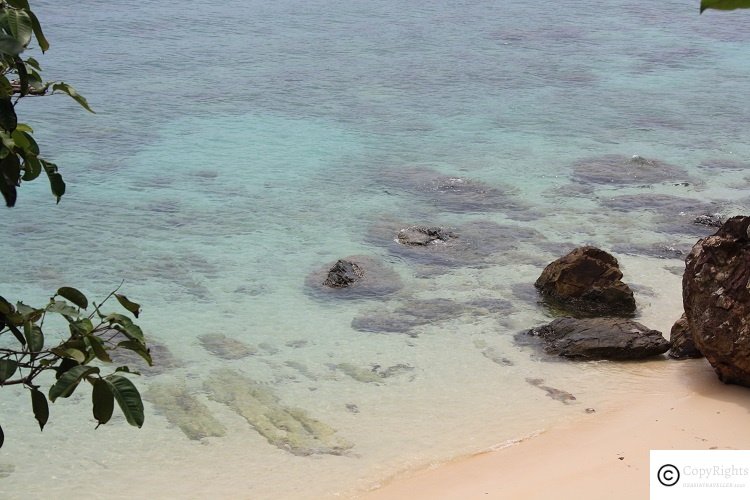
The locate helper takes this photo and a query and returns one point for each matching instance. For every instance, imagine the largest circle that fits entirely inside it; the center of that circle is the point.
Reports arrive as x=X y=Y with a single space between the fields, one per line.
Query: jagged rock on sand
x=681 y=340
x=716 y=296
x=597 y=338
x=586 y=281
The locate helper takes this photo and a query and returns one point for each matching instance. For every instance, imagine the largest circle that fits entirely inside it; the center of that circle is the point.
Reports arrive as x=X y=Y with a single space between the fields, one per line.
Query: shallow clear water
x=239 y=147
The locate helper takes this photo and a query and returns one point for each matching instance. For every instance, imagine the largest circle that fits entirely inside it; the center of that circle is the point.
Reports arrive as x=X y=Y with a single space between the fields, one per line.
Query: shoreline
x=601 y=454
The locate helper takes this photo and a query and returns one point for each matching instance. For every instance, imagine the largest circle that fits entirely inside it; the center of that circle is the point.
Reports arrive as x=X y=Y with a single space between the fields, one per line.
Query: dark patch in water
x=557 y=394
x=457 y=193
x=623 y=170
x=414 y=313
x=475 y=244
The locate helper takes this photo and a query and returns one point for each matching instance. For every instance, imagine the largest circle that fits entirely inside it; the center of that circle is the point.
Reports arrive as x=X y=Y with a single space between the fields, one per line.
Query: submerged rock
x=354 y=277
x=423 y=235
x=598 y=338
x=225 y=347
x=411 y=314
x=491 y=353
x=458 y=193
x=710 y=220
x=418 y=312
x=375 y=374
x=184 y=410
x=290 y=429
x=344 y=273
x=587 y=281
x=623 y=170
x=557 y=394
x=658 y=250
x=477 y=243
x=681 y=340
x=716 y=296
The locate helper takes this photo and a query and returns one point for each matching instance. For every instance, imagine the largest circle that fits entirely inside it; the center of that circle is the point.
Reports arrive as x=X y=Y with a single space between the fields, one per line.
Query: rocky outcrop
x=423 y=235
x=681 y=339
x=716 y=296
x=354 y=277
x=598 y=338
x=587 y=281
x=711 y=220
x=343 y=273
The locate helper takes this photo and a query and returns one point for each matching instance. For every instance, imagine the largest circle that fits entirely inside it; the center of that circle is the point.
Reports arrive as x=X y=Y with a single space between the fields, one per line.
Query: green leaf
x=62 y=307
x=32 y=168
x=8 y=118
x=131 y=331
x=74 y=296
x=7 y=369
x=104 y=401
x=9 y=45
x=128 y=399
x=137 y=348
x=20 y=25
x=133 y=307
x=10 y=176
x=23 y=76
x=97 y=345
x=68 y=89
x=29 y=313
x=55 y=179
x=34 y=336
x=81 y=327
x=724 y=4
x=40 y=407
x=37 y=27
x=19 y=4
x=66 y=384
x=6 y=90
x=33 y=63
x=71 y=353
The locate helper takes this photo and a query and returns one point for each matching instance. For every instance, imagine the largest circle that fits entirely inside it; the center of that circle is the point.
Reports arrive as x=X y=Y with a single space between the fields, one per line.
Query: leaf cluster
x=724 y=4
x=20 y=158
x=75 y=359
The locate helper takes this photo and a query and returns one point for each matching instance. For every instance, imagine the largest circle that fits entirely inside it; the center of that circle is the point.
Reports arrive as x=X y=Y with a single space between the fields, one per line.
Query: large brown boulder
x=587 y=281
x=598 y=338
x=683 y=346
x=716 y=295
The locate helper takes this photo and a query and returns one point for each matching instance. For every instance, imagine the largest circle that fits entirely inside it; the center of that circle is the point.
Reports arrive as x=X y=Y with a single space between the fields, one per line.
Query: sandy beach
x=605 y=454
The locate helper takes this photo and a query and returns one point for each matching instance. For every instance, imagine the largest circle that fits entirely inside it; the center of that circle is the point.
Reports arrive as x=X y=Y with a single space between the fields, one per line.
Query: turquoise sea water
x=239 y=147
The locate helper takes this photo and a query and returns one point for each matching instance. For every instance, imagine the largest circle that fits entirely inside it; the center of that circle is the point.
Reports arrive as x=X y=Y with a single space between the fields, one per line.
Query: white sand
x=604 y=455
